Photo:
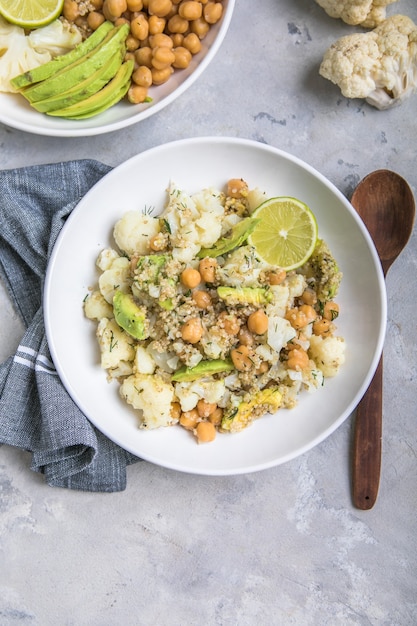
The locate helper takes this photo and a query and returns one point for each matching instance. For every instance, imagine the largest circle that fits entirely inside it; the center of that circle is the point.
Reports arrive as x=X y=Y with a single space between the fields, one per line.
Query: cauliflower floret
x=133 y=232
x=20 y=53
x=96 y=307
x=255 y=198
x=328 y=354
x=144 y=362
x=281 y=301
x=115 y=278
x=194 y=221
x=380 y=66
x=189 y=393
x=116 y=346
x=152 y=396
x=242 y=268
x=279 y=333
x=106 y=258
x=367 y=13
x=209 y=224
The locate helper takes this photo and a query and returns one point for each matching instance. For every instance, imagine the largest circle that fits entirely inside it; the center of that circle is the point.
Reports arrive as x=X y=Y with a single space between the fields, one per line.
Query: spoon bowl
x=385 y=202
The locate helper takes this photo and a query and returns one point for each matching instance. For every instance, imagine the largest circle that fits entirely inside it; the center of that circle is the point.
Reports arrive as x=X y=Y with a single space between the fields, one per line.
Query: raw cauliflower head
x=379 y=66
x=367 y=13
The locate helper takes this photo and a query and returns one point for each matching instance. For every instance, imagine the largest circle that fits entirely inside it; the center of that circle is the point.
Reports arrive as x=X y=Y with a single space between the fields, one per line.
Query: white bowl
x=16 y=112
x=194 y=164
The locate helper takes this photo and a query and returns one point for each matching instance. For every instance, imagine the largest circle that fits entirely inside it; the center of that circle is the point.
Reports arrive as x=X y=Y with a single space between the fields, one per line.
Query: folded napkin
x=36 y=412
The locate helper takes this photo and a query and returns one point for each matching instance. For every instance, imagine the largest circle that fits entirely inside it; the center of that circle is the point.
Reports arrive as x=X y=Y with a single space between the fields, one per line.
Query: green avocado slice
x=239 y=233
x=245 y=295
x=204 y=368
x=129 y=315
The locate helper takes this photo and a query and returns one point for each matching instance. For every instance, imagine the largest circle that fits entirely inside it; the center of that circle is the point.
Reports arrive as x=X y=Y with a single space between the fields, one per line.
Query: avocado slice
x=42 y=72
x=111 y=94
x=204 y=368
x=238 y=418
x=130 y=316
x=238 y=235
x=245 y=295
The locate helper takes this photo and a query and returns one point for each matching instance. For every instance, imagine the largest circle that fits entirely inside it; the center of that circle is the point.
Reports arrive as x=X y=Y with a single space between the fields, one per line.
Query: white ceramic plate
x=194 y=164
x=17 y=113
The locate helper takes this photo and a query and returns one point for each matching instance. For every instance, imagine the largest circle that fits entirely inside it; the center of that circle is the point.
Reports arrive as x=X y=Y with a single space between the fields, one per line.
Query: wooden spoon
x=385 y=203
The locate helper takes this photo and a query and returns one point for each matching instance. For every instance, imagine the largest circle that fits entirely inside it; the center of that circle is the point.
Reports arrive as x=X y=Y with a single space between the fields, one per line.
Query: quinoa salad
x=196 y=329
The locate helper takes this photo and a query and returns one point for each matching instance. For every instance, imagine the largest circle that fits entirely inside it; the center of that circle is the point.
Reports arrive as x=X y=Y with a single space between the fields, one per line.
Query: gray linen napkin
x=36 y=412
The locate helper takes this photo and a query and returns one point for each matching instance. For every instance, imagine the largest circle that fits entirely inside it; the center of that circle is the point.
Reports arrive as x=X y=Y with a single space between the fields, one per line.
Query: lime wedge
x=286 y=233
x=29 y=14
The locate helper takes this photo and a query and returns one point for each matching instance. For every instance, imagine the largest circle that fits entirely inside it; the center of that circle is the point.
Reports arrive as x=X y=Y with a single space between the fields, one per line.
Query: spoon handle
x=367 y=444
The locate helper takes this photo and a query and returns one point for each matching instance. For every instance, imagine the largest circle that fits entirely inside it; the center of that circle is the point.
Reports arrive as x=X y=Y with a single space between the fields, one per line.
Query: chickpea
x=213 y=12
x=134 y=5
x=120 y=21
x=192 y=43
x=309 y=296
x=177 y=24
x=189 y=419
x=182 y=57
x=159 y=7
x=199 y=27
x=301 y=316
x=192 y=330
x=276 y=277
x=237 y=188
x=143 y=56
x=95 y=19
x=190 y=10
x=190 y=277
x=207 y=268
x=139 y=27
x=230 y=323
x=162 y=57
x=245 y=337
x=160 y=40
x=330 y=310
x=161 y=76
x=202 y=299
x=216 y=417
x=258 y=322
x=322 y=327
x=156 y=24
x=177 y=40
x=114 y=8
x=143 y=76
x=298 y=359
x=205 y=432
x=175 y=410
x=137 y=94
x=242 y=358
x=132 y=43
x=97 y=4
x=204 y=409
x=71 y=10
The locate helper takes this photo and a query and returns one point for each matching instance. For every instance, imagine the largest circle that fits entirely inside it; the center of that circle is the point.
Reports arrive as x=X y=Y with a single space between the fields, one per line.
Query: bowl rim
x=144 y=113
x=381 y=285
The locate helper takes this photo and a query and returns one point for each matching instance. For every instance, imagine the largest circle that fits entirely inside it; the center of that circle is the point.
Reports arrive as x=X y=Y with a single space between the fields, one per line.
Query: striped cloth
x=36 y=412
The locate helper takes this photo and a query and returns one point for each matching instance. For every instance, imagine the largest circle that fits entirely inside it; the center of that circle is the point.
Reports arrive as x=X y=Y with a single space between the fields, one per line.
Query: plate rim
x=210 y=140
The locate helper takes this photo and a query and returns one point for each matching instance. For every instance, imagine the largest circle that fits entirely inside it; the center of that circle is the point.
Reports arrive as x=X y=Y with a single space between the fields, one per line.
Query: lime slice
x=286 y=233
x=31 y=13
